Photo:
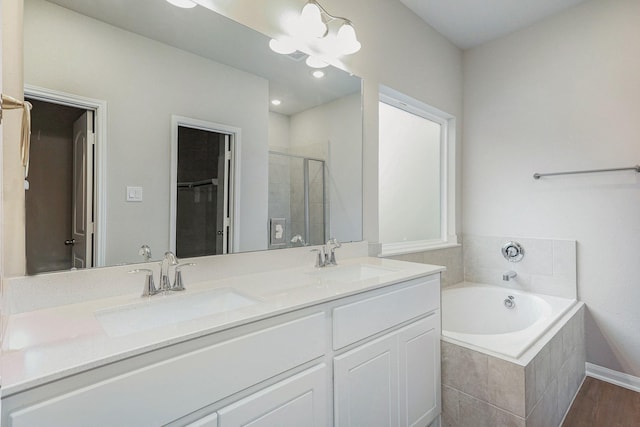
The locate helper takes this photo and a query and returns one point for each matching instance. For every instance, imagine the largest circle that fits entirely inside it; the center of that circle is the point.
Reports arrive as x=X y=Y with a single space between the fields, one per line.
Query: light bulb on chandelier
x=311 y=24
x=284 y=46
x=347 y=39
x=319 y=34
x=315 y=62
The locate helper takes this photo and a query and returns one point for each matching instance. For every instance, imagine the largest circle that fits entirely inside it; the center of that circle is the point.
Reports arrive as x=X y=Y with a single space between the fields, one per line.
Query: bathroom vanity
x=353 y=345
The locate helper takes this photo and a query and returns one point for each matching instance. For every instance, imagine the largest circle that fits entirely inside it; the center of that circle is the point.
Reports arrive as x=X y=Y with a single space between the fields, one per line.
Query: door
x=82 y=218
x=391 y=381
x=366 y=385
x=203 y=192
x=50 y=198
x=419 y=347
x=297 y=401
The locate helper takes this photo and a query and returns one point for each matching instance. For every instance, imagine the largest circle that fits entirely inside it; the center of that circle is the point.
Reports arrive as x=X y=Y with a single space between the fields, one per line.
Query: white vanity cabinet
x=167 y=384
x=368 y=359
x=393 y=380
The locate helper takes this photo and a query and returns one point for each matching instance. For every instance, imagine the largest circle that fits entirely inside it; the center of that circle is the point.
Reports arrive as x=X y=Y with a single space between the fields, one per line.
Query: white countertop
x=48 y=344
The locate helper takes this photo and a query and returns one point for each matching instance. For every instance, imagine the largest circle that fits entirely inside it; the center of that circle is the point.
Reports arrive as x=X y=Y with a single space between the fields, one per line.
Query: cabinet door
x=297 y=401
x=419 y=347
x=366 y=385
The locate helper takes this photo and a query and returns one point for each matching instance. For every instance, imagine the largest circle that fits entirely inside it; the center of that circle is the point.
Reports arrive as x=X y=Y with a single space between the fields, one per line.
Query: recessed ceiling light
x=276 y=102
x=318 y=74
x=185 y=4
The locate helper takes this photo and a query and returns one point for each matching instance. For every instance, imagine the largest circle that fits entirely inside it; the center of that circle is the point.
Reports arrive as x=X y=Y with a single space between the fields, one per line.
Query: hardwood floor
x=600 y=404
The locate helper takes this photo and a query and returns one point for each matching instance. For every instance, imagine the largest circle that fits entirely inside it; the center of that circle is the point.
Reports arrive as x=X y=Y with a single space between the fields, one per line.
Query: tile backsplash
x=548 y=266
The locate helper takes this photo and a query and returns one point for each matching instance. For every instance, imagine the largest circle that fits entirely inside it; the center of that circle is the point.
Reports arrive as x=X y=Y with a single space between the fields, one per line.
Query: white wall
x=561 y=95
x=278 y=131
x=13 y=217
x=2 y=312
x=144 y=82
x=338 y=124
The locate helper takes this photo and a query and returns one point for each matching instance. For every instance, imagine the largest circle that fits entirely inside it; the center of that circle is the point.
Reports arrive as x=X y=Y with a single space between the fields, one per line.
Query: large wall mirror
x=154 y=125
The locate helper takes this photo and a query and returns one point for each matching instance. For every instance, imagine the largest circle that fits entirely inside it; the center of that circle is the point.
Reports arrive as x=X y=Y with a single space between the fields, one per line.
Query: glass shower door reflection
x=297 y=194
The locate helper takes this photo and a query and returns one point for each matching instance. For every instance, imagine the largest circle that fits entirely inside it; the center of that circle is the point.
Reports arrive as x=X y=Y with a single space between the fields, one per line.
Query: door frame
x=99 y=108
x=234 y=184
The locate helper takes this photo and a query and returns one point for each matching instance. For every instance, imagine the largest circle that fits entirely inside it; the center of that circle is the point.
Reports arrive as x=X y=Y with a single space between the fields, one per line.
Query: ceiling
x=469 y=23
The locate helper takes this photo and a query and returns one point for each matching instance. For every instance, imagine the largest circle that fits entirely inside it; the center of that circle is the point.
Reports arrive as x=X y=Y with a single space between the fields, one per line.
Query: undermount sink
x=163 y=310
x=351 y=273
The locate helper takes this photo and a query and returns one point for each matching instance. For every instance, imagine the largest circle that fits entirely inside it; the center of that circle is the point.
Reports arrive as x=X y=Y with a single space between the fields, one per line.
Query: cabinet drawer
x=361 y=319
x=297 y=401
x=165 y=391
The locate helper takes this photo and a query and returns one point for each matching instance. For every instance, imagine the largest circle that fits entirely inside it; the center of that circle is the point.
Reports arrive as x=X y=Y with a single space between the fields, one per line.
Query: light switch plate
x=277 y=231
x=134 y=194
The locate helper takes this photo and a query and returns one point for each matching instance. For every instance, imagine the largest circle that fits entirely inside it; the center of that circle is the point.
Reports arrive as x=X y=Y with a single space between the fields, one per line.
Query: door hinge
x=227 y=222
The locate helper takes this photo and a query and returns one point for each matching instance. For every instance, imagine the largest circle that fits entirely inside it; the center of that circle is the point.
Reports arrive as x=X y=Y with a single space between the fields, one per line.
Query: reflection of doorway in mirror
x=59 y=206
x=203 y=191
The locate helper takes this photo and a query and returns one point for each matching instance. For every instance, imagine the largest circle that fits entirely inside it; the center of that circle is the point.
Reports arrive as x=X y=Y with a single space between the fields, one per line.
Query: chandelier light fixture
x=320 y=34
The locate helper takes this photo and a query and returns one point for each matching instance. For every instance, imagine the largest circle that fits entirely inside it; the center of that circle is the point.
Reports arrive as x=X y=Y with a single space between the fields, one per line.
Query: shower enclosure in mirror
x=147 y=61
x=297 y=195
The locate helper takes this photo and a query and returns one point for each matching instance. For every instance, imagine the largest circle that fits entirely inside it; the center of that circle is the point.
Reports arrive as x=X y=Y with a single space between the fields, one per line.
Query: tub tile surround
x=448 y=257
x=548 y=266
x=482 y=390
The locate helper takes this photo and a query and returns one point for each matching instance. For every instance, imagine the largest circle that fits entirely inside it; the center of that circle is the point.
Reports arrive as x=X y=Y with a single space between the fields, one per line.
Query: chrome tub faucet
x=509 y=275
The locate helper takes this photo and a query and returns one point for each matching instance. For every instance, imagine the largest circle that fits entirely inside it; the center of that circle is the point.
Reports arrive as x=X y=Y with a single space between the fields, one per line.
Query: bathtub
x=520 y=366
x=477 y=316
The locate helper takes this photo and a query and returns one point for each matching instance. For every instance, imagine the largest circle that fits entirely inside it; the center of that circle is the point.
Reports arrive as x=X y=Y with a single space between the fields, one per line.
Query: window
x=414 y=175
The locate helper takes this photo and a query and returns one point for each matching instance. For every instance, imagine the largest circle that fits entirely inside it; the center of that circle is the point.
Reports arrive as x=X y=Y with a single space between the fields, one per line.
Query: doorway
x=203 y=190
x=59 y=201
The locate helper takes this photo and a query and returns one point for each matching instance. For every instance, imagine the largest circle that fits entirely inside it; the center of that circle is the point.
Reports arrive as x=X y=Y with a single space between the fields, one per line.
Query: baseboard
x=613 y=377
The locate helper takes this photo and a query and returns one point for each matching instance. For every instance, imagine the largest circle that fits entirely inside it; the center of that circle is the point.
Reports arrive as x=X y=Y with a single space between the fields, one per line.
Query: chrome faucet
x=332 y=245
x=149 y=287
x=509 y=275
x=326 y=254
x=178 y=283
x=320 y=258
x=168 y=260
x=298 y=239
x=165 y=285
x=145 y=252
